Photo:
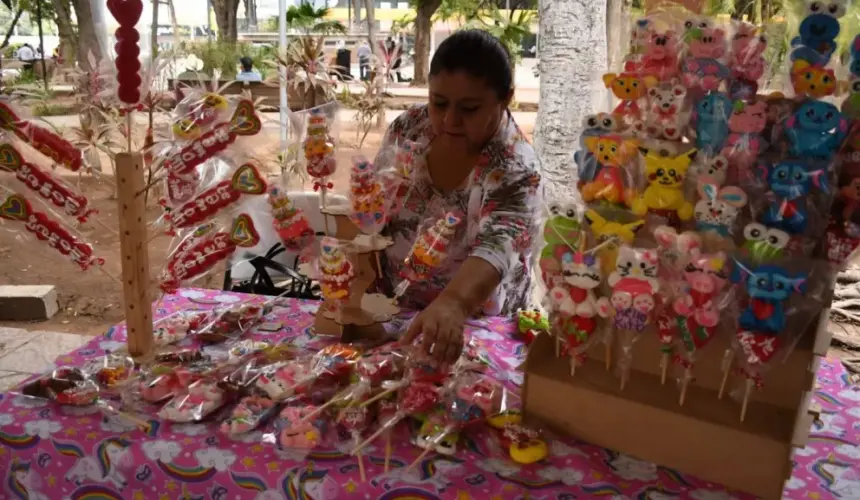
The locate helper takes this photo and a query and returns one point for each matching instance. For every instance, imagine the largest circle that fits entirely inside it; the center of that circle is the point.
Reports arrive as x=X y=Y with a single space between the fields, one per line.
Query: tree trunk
x=226 y=12
x=617 y=32
x=171 y=9
x=66 y=31
x=423 y=27
x=88 y=42
x=371 y=25
x=572 y=53
x=251 y=14
x=356 y=12
x=153 y=29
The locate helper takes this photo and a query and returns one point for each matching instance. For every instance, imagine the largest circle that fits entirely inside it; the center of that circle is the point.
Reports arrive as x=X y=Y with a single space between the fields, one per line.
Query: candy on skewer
x=319 y=153
x=429 y=252
x=355 y=420
x=417 y=397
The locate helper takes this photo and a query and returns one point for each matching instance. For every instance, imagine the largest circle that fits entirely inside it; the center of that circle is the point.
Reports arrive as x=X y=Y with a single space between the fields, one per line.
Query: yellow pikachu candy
x=664 y=195
x=611 y=235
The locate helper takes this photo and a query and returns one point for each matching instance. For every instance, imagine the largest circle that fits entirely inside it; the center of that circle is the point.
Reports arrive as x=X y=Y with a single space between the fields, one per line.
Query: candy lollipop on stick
x=369 y=211
x=319 y=152
x=697 y=314
x=336 y=272
x=417 y=397
x=634 y=284
x=355 y=420
x=471 y=399
x=428 y=252
x=386 y=409
x=289 y=222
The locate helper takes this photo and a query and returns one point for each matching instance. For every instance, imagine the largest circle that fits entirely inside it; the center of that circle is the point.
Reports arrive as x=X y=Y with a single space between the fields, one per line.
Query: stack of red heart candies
x=127 y=13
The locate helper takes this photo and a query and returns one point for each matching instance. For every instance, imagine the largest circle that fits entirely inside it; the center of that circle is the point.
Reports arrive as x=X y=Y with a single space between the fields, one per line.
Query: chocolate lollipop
x=65 y=385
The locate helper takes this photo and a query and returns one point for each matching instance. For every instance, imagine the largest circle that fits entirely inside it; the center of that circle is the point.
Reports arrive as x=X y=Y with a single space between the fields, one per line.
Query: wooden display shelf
x=705 y=436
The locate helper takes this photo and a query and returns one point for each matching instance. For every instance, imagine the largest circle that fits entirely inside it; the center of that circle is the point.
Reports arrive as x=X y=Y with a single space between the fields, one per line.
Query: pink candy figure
x=201 y=399
x=281 y=382
x=745 y=142
x=297 y=431
x=660 y=58
x=746 y=60
x=705 y=279
x=703 y=68
x=247 y=415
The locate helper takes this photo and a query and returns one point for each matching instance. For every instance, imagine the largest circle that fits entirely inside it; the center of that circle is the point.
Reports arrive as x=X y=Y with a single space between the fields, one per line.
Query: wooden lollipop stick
x=572 y=366
x=557 y=345
x=387 y=452
x=334 y=399
x=378 y=397
x=686 y=382
x=726 y=370
x=608 y=353
x=369 y=440
x=423 y=454
x=361 y=468
x=664 y=368
x=747 y=391
x=623 y=379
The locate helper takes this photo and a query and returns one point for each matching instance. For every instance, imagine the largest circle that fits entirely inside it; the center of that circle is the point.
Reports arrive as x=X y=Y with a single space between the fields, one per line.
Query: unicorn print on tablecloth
x=110 y=455
x=432 y=472
x=839 y=477
x=23 y=483
x=298 y=483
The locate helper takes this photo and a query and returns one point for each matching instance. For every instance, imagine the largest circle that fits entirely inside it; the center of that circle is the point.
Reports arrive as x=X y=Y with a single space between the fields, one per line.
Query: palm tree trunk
x=572 y=52
x=153 y=29
x=423 y=26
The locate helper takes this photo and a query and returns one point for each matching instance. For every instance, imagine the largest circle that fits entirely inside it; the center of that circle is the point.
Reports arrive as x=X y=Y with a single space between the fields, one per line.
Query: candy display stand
x=704 y=436
x=133 y=239
x=364 y=315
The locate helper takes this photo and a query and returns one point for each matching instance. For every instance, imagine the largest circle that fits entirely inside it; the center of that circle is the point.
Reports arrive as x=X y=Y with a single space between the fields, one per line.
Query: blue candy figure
x=815 y=129
x=818 y=32
x=711 y=119
x=594 y=126
x=790 y=181
x=854 y=67
x=768 y=287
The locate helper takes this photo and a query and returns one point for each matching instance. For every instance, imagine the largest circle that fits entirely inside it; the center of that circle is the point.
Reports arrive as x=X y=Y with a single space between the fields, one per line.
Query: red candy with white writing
x=43 y=140
x=45 y=184
x=208 y=203
x=15 y=207
x=200 y=252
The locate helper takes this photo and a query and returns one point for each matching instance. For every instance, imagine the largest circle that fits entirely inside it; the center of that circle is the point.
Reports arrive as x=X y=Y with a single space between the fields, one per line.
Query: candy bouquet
x=709 y=204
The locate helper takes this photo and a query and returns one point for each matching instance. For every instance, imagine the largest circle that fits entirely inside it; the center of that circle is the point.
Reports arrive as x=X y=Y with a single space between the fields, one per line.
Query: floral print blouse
x=498 y=206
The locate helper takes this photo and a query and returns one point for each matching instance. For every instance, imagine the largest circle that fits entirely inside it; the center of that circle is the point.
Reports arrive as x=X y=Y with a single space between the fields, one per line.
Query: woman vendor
x=470 y=159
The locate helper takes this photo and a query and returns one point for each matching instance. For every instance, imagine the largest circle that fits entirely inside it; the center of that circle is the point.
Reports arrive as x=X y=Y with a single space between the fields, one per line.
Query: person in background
x=472 y=159
x=364 y=54
x=248 y=73
x=27 y=55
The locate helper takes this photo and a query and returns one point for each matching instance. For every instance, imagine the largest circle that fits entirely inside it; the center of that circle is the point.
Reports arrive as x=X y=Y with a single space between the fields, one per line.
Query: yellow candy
x=534 y=451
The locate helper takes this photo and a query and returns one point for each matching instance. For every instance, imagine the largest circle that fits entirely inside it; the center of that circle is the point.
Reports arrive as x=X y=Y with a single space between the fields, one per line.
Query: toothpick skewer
x=726 y=369
x=379 y=396
x=423 y=454
x=572 y=366
x=684 y=384
x=664 y=368
x=387 y=451
x=747 y=391
x=608 y=353
x=361 y=472
x=369 y=440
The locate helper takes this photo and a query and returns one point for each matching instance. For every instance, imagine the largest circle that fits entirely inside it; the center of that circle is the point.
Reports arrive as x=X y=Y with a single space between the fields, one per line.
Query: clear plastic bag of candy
x=429 y=252
x=199 y=400
x=608 y=175
x=317 y=130
x=110 y=371
x=66 y=385
x=250 y=412
x=664 y=191
x=293 y=432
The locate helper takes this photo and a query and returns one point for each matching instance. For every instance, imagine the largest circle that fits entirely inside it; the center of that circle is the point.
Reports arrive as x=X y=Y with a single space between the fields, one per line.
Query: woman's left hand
x=441 y=327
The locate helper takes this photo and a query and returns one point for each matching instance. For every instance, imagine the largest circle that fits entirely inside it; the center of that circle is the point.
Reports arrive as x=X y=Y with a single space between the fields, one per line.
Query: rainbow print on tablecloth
x=47 y=456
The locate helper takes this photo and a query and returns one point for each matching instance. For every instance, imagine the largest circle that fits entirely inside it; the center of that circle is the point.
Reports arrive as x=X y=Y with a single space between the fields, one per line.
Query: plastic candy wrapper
x=336 y=270
x=634 y=285
x=668 y=113
x=289 y=222
x=851 y=104
x=710 y=122
x=778 y=301
x=429 y=252
x=280 y=381
x=530 y=324
x=110 y=371
x=46 y=184
x=797 y=192
x=332 y=364
x=417 y=397
x=47 y=228
x=575 y=307
x=704 y=68
x=654 y=54
x=243 y=122
x=816 y=40
x=611 y=180
x=664 y=195
x=199 y=252
x=66 y=385
x=842 y=236
x=561 y=231
x=162 y=381
x=815 y=130
x=631 y=90
x=45 y=141
x=228 y=322
x=370 y=210
x=524 y=444
x=201 y=399
x=318 y=136
x=697 y=310
x=718 y=209
x=610 y=232
x=355 y=420
x=469 y=400
x=248 y=414
x=292 y=431
x=205 y=205
x=745 y=142
x=746 y=60
x=171 y=329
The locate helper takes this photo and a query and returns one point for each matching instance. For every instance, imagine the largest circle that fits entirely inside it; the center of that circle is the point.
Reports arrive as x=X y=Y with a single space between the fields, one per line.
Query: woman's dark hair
x=247 y=63
x=478 y=54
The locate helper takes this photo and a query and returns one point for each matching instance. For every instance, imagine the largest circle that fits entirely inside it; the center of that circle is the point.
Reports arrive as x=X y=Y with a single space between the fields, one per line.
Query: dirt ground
x=91 y=301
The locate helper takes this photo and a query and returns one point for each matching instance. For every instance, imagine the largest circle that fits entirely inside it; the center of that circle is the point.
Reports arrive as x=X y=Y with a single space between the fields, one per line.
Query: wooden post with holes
x=135 y=256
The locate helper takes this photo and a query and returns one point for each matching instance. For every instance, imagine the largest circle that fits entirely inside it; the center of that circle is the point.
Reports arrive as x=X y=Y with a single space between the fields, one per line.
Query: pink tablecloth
x=57 y=453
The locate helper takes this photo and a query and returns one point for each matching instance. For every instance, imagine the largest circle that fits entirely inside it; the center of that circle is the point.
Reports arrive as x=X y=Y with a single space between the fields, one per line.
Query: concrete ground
x=24 y=353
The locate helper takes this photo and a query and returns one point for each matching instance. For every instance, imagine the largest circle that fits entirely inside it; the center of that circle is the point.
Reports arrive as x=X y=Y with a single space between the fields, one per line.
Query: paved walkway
x=24 y=353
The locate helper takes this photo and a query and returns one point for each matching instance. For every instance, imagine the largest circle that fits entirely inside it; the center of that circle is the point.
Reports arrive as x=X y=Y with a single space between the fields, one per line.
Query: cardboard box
x=705 y=437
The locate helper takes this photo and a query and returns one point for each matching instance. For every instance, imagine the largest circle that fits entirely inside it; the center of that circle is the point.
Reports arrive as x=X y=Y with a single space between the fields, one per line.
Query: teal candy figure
x=815 y=130
x=790 y=183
